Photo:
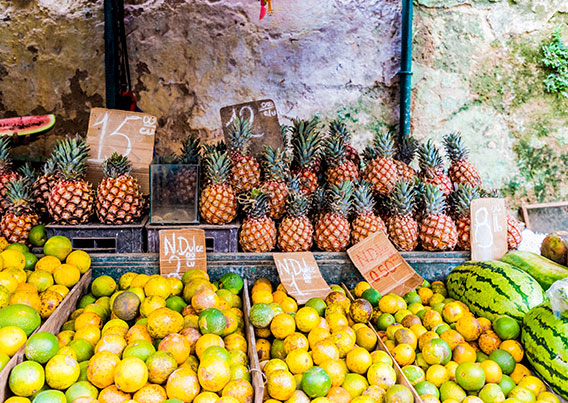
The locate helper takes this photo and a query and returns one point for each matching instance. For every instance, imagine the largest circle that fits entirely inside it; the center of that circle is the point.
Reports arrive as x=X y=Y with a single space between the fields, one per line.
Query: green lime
x=261 y=315
x=81 y=389
x=504 y=359
x=23 y=316
x=384 y=321
x=507 y=384
x=337 y=288
x=212 y=320
x=441 y=328
x=58 y=246
x=507 y=328
x=176 y=303
x=50 y=396
x=427 y=388
x=414 y=373
x=216 y=351
x=492 y=393
x=20 y=247
x=82 y=348
x=38 y=236
x=26 y=378
x=103 y=286
x=481 y=356
x=83 y=366
x=316 y=382
x=470 y=376
x=372 y=295
x=318 y=304
x=31 y=261
x=412 y=297
x=173 y=401
x=41 y=347
x=86 y=300
x=232 y=282
x=142 y=349
x=451 y=390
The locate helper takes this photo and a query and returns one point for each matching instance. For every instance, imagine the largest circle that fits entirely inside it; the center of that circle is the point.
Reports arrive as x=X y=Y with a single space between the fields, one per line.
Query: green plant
x=555 y=58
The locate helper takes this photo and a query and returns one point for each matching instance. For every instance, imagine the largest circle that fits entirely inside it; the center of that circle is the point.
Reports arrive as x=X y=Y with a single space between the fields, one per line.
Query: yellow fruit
x=405 y=336
x=289 y=305
x=263 y=349
x=317 y=334
x=336 y=371
x=12 y=338
x=325 y=350
x=66 y=275
x=452 y=337
x=280 y=385
x=519 y=373
x=139 y=281
x=164 y=321
x=8 y=281
x=534 y=384
x=177 y=345
x=213 y=374
x=425 y=295
x=282 y=325
x=206 y=397
x=295 y=341
x=131 y=374
x=26 y=298
x=358 y=360
x=388 y=304
x=111 y=394
x=513 y=347
x=13 y=259
x=299 y=361
x=469 y=328
x=240 y=389
x=48 y=263
x=206 y=341
x=60 y=289
x=80 y=259
x=65 y=337
x=437 y=374
x=262 y=296
x=150 y=304
x=158 y=285
x=183 y=385
x=61 y=371
x=493 y=372
x=112 y=343
x=100 y=371
x=382 y=375
x=360 y=288
x=463 y=352
x=235 y=342
x=90 y=333
x=404 y=354
x=88 y=319
x=67 y=351
x=489 y=342
x=150 y=393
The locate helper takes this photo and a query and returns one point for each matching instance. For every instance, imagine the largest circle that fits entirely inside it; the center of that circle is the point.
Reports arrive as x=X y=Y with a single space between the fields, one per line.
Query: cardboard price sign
x=182 y=250
x=300 y=275
x=382 y=266
x=488 y=229
x=264 y=122
x=127 y=133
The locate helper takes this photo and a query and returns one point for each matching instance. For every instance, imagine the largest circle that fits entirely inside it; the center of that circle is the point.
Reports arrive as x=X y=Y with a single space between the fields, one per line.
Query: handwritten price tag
x=264 y=122
x=182 y=250
x=382 y=266
x=488 y=229
x=300 y=275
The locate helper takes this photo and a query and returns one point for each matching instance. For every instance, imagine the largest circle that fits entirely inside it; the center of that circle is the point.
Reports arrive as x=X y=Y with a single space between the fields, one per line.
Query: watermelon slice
x=26 y=125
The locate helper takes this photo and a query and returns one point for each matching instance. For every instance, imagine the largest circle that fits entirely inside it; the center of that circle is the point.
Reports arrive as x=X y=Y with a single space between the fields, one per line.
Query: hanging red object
x=263 y=8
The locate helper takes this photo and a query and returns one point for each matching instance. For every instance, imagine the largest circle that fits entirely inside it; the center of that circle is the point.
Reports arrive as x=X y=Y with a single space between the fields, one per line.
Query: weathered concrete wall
x=477 y=70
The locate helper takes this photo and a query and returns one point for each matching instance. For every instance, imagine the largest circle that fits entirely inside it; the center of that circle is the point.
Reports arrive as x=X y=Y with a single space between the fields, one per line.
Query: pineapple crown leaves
x=406 y=149
x=239 y=137
x=190 y=150
x=255 y=203
x=454 y=147
x=369 y=154
x=19 y=196
x=318 y=200
x=363 y=202
x=383 y=143
x=307 y=142
x=401 y=201
x=71 y=157
x=339 y=198
x=274 y=164
x=490 y=193
x=217 y=167
x=116 y=165
x=460 y=200
x=5 y=148
x=433 y=199
x=335 y=150
x=27 y=173
x=298 y=202
x=166 y=159
x=338 y=128
x=49 y=167
x=429 y=158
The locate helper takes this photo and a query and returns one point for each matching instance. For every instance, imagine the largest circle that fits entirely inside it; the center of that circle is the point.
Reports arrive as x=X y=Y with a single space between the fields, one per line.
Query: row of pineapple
x=322 y=192
x=61 y=193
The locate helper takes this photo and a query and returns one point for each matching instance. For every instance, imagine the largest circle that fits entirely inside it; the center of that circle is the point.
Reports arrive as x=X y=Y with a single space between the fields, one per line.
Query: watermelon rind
x=25 y=125
x=492 y=288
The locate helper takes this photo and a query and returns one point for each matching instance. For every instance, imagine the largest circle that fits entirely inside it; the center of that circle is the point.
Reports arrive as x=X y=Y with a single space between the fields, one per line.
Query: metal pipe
x=405 y=72
x=111 y=54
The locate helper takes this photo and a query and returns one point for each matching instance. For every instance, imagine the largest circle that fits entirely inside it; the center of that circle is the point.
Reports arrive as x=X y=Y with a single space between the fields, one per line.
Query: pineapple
x=245 y=171
x=380 y=170
x=20 y=217
x=295 y=232
x=366 y=222
x=402 y=227
x=258 y=232
x=7 y=174
x=42 y=186
x=514 y=232
x=461 y=169
x=307 y=148
x=406 y=151
x=461 y=201
x=332 y=231
x=437 y=229
x=218 y=201
x=186 y=177
x=317 y=200
x=275 y=173
x=119 y=199
x=431 y=168
x=340 y=169
x=338 y=128
x=71 y=198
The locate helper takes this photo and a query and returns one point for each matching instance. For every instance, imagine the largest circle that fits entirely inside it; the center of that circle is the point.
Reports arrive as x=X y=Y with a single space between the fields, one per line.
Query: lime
x=41 y=347
x=26 y=378
x=31 y=261
x=81 y=389
x=41 y=279
x=316 y=382
x=102 y=286
x=50 y=396
x=22 y=316
x=20 y=247
x=384 y=321
x=451 y=390
x=426 y=388
x=507 y=328
x=504 y=359
x=38 y=236
x=318 y=304
x=212 y=320
x=176 y=303
x=142 y=349
x=412 y=297
x=86 y=300
x=261 y=315
x=58 y=246
x=414 y=373
x=492 y=393
x=82 y=348
x=372 y=295
x=470 y=376
x=232 y=282
x=507 y=384
x=83 y=366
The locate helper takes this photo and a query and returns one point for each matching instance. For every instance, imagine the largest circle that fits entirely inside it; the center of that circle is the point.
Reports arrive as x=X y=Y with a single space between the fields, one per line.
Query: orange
x=453 y=337
x=273 y=365
x=451 y=368
x=206 y=341
x=534 y=384
x=358 y=360
x=150 y=393
x=338 y=395
x=100 y=371
x=111 y=342
x=514 y=348
x=278 y=296
x=325 y=350
x=317 y=334
x=431 y=319
x=485 y=324
x=306 y=319
x=382 y=375
x=365 y=337
x=240 y=389
x=183 y=384
x=469 y=328
x=404 y=354
x=235 y=342
x=289 y=305
x=280 y=385
x=263 y=349
x=66 y=275
x=463 y=352
x=336 y=371
x=519 y=373
x=12 y=338
x=437 y=375
x=425 y=295
x=405 y=336
x=111 y=394
x=262 y=296
x=299 y=361
x=131 y=374
x=452 y=312
x=158 y=286
x=360 y=288
x=282 y=325
x=493 y=372
x=177 y=345
x=48 y=263
x=26 y=298
x=426 y=337
x=489 y=342
x=388 y=304
x=414 y=373
x=295 y=341
x=88 y=319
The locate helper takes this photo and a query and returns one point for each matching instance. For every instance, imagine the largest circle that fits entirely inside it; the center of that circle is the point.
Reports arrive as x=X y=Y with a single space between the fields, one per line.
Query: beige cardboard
x=128 y=133
x=382 y=266
x=264 y=121
x=182 y=250
x=300 y=275
x=488 y=229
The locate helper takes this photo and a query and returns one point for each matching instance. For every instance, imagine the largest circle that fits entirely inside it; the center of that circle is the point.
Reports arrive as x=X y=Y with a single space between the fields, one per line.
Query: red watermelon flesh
x=24 y=125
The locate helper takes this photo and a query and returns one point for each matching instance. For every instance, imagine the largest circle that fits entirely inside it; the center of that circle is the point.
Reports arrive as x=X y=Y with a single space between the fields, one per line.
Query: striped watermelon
x=545 y=339
x=494 y=288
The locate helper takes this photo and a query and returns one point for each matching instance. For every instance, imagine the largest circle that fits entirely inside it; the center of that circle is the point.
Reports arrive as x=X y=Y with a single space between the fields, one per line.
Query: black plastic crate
x=103 y=238
x=218 y=238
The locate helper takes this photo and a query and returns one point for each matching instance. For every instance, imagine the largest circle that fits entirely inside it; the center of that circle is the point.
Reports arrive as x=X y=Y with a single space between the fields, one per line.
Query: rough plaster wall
x=476 y=69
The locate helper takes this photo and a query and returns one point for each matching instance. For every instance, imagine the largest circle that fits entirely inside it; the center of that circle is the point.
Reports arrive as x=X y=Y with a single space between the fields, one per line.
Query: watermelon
x=543 y=270
x=25 y=125
x=545 y=339
x=494 y=288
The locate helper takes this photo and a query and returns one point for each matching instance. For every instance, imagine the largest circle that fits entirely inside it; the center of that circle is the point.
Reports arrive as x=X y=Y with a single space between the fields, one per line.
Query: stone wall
x=477 y=69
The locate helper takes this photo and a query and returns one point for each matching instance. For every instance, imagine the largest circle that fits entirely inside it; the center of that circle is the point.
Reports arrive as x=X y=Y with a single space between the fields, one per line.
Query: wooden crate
x=51 y=325
x=101 y=238
x=218 y=238
x=254 y=365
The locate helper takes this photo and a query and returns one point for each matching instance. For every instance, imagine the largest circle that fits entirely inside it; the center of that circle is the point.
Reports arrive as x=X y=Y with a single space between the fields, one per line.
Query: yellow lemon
x=80 y=259
x=12 y=338
x=13 y=259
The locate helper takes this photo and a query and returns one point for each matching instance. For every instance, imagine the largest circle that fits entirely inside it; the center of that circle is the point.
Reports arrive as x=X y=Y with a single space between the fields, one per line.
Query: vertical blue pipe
x=405 y=68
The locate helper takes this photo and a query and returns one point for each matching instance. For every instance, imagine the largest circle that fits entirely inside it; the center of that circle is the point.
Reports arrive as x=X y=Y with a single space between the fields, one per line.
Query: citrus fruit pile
x=448 y=354
x=31 y=289
x=320 y=352
x=146 y=339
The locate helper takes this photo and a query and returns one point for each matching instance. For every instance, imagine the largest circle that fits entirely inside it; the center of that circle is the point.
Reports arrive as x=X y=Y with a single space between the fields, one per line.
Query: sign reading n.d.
x=127 y=133
x=382 y=266
x=182 y=250
x=488 y=229
x=300 y=275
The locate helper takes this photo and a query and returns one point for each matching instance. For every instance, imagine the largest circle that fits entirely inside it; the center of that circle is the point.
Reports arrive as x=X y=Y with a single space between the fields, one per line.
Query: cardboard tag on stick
x=488 y=229
x=127 y=133
x=263 y=117
x=182 y=250
x=382 y=266
x=300 y=275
